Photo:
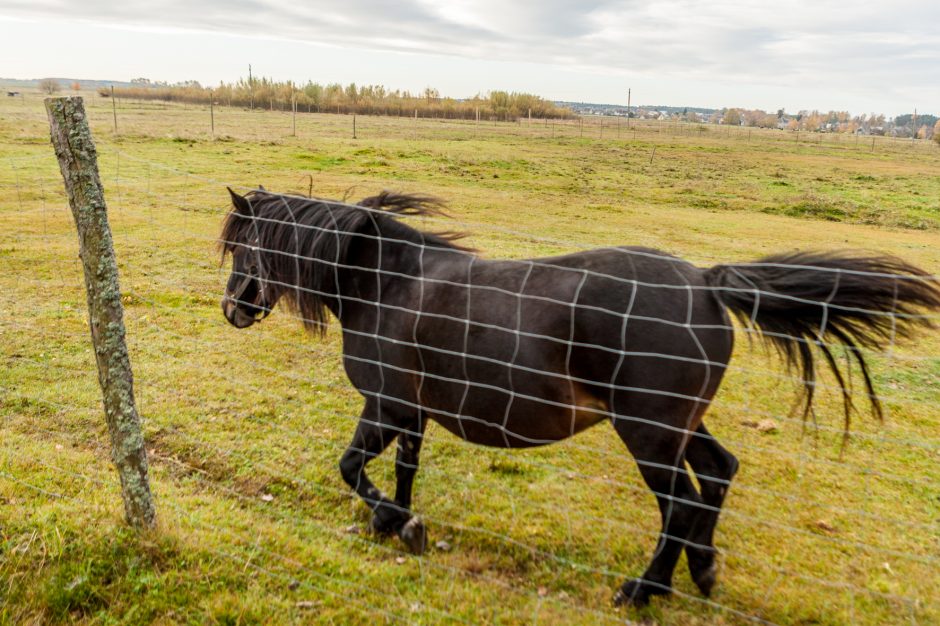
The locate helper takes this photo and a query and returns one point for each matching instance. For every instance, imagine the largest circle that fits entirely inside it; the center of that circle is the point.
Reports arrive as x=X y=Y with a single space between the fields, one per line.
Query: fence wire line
x=250 y=542
x=542 y=263
x=418 y=313
x=302 y=522
x=547 y=337
x=341 y=386
x=729 y=367
x=544 y=372
x=215 y=183
x=228 y=452
x=566 y=470
x=718 y=480
x=692 y=503
x=604 y=572
x=512 y=365
x=574 y=305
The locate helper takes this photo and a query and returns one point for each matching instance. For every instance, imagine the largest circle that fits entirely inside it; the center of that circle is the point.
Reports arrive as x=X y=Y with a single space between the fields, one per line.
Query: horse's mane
x=289 y=227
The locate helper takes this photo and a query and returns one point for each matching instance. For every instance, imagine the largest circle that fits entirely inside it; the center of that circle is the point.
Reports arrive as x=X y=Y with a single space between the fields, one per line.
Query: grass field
x=245 y=428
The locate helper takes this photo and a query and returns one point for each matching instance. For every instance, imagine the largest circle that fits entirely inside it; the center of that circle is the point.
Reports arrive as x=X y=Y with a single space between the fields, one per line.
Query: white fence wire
x=273 y=402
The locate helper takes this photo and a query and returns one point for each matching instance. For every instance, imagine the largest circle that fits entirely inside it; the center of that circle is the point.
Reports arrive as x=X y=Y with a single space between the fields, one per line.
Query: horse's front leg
x=375 y=431
x=406 y=466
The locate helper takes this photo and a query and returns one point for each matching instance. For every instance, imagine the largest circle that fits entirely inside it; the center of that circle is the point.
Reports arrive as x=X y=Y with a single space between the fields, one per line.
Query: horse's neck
x=372 y=271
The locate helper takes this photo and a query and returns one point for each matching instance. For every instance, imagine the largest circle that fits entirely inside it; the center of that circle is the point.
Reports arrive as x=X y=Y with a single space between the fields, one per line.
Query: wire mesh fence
x=245 y=429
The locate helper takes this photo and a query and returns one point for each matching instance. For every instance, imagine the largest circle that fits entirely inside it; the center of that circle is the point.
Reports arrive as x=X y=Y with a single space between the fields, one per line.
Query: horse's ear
x=261 y=188
x=240 y=203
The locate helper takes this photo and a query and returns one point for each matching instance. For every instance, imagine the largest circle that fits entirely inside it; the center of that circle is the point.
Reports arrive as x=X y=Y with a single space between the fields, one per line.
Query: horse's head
x=249 y=297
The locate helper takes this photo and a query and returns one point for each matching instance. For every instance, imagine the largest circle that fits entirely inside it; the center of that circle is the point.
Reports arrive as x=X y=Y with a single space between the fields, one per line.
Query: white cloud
x=813 y=46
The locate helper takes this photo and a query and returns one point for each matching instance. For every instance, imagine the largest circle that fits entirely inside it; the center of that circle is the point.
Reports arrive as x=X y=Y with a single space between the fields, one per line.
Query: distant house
x=13 y=94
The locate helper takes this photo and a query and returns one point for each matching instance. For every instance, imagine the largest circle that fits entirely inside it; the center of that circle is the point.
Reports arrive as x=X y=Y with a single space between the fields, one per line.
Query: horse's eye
x=253 y=270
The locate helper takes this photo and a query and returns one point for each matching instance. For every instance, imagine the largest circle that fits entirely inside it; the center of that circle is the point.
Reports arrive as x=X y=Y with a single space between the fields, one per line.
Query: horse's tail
x=800 y=299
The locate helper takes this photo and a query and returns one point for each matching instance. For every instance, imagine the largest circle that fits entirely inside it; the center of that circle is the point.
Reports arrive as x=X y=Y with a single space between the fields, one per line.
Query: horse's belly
x=509 y=420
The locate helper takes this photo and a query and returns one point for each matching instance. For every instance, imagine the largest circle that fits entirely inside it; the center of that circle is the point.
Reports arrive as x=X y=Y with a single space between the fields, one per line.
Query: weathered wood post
x=75 y=150
x=114 y=109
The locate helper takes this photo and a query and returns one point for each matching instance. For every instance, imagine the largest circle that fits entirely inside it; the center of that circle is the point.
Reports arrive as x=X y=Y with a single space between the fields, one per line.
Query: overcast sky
x=861 y=56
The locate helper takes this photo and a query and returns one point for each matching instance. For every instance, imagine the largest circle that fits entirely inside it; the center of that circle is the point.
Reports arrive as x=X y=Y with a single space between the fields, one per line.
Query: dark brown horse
x=526 y=353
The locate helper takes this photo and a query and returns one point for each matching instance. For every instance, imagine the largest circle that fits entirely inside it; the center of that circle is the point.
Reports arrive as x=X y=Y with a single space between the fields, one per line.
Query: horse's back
x=517 y=353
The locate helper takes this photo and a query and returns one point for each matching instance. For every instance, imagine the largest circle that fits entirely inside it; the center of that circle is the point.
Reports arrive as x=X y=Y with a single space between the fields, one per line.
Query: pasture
x=245 y=428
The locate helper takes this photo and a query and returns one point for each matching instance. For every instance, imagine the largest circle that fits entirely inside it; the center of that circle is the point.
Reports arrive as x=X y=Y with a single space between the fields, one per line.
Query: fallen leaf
x=442 y=545
x=767 y=426
x=824 y=525
x=267 y=497
x=400 y=560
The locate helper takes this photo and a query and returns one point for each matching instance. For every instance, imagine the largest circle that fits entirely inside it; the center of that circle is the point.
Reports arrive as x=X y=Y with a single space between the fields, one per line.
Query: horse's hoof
x=706 y=580
x=380 y=526
x=414 y=535
x=387 y=520
x=637 y=593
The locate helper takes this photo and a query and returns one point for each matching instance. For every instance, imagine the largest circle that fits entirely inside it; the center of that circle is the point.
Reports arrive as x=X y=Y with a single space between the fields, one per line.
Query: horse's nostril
x=227 y=306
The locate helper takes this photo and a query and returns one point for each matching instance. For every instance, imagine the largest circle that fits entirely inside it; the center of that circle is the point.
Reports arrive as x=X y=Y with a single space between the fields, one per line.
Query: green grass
x=245 y=428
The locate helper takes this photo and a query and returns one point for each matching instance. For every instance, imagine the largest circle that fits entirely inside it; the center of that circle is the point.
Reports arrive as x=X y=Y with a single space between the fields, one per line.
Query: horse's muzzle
x=235 y=315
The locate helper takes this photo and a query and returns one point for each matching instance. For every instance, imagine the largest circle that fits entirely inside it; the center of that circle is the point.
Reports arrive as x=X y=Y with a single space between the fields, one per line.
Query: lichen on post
x=77 y=157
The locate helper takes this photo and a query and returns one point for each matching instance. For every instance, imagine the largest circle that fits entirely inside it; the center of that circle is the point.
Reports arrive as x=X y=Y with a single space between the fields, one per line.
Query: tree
x=49 y=86
x=768 y=121
x=732 y=117
x=936 y=132
x=76 y=86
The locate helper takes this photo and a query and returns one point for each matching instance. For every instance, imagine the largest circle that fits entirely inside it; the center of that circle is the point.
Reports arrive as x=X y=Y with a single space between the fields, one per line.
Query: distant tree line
x=923 y=126
x=265 y=93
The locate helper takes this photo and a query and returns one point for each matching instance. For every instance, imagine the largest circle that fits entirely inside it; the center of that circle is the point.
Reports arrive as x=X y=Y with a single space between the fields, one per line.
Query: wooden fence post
x=114 y=109
x=77 y=157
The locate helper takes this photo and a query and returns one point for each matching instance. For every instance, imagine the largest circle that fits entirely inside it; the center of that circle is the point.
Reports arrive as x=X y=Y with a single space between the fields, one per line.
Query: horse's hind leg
x=371 y=438
x=714 y=468
x=659 y=454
